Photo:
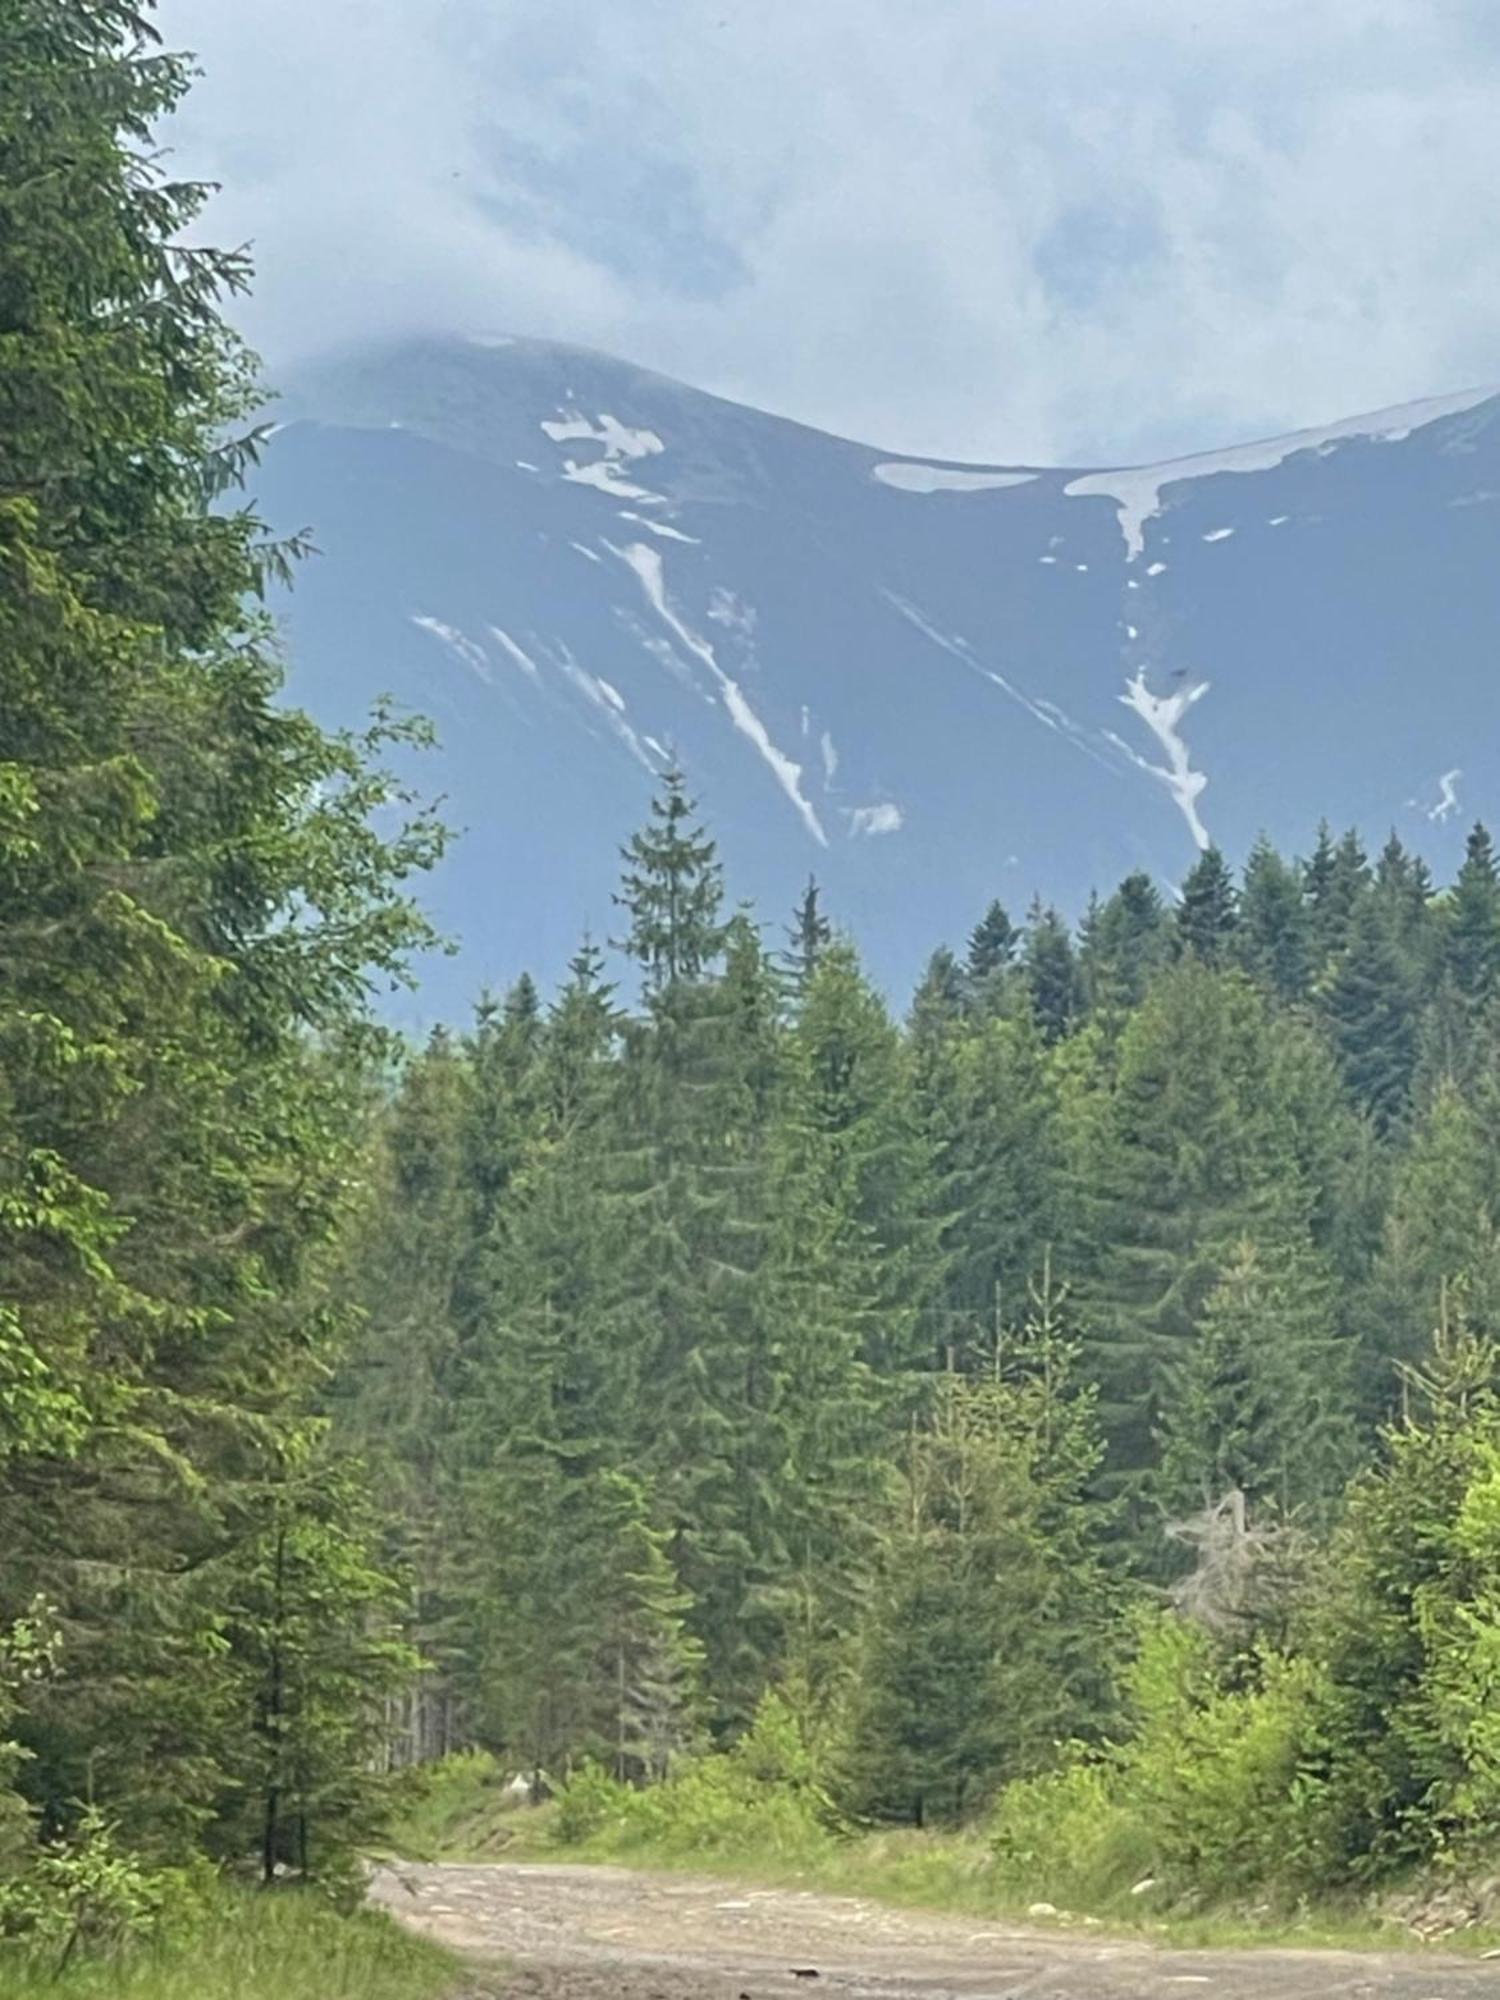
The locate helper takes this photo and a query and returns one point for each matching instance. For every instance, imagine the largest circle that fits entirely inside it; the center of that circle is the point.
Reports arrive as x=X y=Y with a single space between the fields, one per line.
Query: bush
x=1221 y=1775
x=759 y=1799
x=1069 y=1836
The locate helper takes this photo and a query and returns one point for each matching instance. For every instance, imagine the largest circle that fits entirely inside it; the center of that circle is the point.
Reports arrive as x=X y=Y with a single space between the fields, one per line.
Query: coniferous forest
x=1063 y=1405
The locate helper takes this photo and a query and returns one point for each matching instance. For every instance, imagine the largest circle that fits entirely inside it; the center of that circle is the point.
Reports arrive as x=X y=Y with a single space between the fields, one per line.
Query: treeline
x=197 y=1642
x=727 y=1337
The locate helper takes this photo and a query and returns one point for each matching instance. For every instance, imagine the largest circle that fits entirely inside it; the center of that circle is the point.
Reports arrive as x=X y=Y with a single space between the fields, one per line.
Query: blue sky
x=1067 y=231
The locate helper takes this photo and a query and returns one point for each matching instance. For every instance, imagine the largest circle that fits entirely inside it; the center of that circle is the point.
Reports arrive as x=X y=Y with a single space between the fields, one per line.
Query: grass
x=461 y=1813
x=250 y=1946
x=459 y=1810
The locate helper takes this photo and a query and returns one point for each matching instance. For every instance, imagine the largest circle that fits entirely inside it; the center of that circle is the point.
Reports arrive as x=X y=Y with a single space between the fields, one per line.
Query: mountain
x=927 y=683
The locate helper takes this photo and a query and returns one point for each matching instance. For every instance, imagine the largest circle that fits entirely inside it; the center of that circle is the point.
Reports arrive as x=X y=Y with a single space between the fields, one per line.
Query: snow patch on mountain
x=622 y=445
x=603 y=699
x=619 y=440
x=908 y=477
x=1163 y=715
x=605 y=475
x=1137 y=490
x=646 y=563
x=1045 y=712
x=663 y=528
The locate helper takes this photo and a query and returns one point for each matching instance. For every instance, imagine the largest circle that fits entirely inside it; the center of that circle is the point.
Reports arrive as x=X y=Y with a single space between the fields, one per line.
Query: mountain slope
x=928 y=684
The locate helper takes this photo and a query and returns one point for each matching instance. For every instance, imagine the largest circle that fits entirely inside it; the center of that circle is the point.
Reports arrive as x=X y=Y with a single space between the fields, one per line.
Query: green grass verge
x=459 y=1811
x=249 y=1946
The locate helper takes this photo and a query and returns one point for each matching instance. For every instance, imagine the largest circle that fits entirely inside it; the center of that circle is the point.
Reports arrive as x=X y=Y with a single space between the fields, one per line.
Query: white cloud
x=1067 y=233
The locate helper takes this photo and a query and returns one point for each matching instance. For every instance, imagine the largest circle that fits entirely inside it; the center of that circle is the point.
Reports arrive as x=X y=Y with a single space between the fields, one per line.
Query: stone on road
x=584 y=1933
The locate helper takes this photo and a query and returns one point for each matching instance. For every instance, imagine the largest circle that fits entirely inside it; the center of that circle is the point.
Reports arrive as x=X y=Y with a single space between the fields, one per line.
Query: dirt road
x=611 y=1934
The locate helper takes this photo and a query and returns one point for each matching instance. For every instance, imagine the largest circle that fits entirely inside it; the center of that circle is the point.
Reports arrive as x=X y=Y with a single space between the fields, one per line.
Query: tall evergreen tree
x=1125 y=946
x=1050 y=969
x=196 y=897
x=1208 y=913
x=673 y=891
x=1471 y=946
x=984 y=1642
x=1370 y=1003
x=1274 y=943
x=808 y=937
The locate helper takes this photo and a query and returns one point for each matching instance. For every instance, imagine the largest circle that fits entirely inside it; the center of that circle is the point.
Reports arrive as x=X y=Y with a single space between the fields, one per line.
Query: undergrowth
x=1101 y=1841
x=247 y=1945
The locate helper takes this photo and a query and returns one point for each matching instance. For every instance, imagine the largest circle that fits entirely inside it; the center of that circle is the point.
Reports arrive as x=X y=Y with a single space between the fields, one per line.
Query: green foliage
x=236 y=1946
x=1068 y=1837
x=199 y=891
x=985 y=1643
x=760 y=1799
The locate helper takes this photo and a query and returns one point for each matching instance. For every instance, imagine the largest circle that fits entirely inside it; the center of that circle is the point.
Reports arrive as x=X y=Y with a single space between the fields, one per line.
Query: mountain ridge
x=892 y=669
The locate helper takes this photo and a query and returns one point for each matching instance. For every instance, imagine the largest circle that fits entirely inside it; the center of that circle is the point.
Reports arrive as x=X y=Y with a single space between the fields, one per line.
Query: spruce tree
x=1370 y=1002
x=1196 y=1152
x=199 y=888
x=1126 y=944
x=1208 y=913
x=1050 y=970
x=1274 y=942
x=808 y=937
x=1471 y=943
x=672 y=891
x=984 y=1644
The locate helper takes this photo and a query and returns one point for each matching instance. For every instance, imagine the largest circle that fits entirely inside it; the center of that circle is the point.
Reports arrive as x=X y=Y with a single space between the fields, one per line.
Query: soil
x=587 y=1933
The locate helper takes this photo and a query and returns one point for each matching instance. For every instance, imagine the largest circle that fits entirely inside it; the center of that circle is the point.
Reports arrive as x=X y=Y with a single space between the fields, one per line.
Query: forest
x=1066 y=1407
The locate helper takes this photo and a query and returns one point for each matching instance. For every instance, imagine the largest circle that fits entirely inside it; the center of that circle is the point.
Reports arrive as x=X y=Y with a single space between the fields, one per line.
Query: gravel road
x=612 y=1934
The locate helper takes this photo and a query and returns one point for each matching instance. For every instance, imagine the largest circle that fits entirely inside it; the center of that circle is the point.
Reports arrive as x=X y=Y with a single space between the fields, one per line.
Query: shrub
x=1069 y=1836
x=758 y=1799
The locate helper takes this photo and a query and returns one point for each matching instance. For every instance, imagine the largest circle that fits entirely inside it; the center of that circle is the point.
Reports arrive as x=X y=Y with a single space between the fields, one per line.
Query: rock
x=1042 y=1910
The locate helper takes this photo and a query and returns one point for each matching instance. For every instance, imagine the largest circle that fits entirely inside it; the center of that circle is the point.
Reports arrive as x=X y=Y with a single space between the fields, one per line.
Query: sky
x=1026 y=231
